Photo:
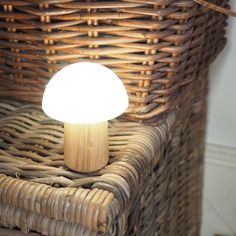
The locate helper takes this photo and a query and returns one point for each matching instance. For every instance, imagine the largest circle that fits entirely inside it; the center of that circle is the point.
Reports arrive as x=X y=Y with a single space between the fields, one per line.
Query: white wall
x=219 y=198
x=222 y=99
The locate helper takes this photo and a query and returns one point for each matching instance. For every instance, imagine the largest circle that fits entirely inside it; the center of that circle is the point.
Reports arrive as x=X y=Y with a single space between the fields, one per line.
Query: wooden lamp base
x=86 y=146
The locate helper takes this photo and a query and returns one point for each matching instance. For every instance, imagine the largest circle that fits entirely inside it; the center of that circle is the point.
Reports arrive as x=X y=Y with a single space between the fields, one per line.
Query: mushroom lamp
x=84 y=96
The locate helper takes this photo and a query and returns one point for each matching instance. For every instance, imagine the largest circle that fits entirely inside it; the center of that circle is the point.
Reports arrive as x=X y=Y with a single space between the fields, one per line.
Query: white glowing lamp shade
x=84 y=93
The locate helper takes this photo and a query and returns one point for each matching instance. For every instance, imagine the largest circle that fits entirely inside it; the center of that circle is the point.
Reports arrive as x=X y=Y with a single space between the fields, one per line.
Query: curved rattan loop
x=216 y=8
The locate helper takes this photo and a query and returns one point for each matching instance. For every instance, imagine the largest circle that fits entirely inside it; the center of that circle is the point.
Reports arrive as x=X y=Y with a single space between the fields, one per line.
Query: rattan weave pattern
x=31 y=148
x=15 y=232
x=156 y=47
x=152 y=185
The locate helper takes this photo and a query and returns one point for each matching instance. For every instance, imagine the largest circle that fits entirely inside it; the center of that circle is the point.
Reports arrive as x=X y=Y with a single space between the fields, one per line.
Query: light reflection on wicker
x=156 y=47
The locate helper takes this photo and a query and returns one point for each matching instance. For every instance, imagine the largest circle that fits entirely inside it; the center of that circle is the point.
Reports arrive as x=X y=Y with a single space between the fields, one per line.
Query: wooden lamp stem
x=86 y=146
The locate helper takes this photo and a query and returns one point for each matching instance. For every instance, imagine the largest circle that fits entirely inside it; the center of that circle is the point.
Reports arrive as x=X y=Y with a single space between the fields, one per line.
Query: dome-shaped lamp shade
x=84 y=93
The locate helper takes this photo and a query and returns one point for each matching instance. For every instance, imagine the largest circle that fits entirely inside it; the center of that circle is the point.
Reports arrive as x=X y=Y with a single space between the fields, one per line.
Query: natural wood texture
x=86 y=146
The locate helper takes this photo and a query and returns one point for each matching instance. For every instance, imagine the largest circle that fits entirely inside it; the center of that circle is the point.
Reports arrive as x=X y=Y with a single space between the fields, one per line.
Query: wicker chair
x=152 y=184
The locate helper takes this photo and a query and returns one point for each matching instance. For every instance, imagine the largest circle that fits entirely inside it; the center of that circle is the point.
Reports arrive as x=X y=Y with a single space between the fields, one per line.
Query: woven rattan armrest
x=37 y=190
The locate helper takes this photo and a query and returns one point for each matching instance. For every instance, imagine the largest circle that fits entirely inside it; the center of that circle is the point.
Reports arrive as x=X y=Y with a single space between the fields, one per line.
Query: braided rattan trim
x=25 y=220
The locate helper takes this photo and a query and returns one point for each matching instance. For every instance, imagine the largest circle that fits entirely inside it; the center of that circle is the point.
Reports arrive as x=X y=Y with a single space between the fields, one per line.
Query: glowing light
x=84 y=93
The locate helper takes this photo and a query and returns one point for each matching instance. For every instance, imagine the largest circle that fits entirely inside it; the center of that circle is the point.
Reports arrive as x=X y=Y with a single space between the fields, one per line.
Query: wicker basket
x=151 y=186
x=156 y=47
